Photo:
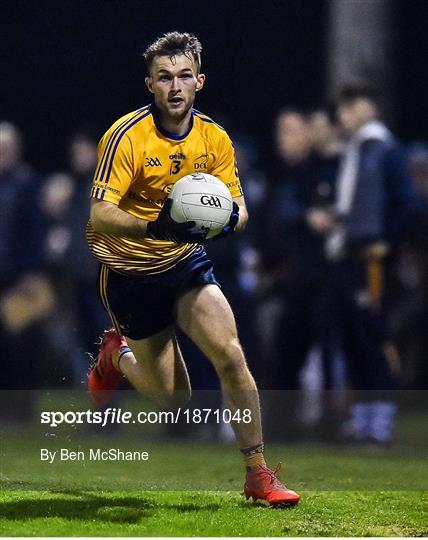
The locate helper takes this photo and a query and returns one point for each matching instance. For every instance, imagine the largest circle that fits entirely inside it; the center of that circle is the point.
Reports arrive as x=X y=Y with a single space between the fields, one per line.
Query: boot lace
x=270 y=474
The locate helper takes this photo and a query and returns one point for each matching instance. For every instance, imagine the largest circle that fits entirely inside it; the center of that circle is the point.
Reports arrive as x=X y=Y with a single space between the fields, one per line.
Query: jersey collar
x=164 y=132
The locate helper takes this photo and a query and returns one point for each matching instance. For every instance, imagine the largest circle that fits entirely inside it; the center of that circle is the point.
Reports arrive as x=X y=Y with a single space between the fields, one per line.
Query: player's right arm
x=114 y=174
x=108 y=218
x=116 y=170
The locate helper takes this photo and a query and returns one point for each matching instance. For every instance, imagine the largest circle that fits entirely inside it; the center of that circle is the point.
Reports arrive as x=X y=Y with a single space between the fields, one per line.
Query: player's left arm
x=242 y=213
x=225 y=168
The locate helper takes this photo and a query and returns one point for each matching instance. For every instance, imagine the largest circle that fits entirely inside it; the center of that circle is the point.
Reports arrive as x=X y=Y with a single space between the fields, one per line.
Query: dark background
x=69 y=64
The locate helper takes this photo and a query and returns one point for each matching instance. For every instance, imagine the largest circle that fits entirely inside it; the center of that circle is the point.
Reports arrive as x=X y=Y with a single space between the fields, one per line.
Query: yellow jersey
x=138 y=164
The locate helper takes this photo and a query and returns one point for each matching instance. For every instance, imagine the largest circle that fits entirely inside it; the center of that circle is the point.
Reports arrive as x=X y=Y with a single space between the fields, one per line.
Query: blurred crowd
x=329 y=284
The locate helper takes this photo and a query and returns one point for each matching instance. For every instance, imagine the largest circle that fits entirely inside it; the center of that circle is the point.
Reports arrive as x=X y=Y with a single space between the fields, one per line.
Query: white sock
x=359 y=422
x=382 y=420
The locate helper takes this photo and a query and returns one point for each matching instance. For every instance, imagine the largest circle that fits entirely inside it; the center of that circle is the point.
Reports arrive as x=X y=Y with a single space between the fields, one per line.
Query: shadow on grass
x=72 y=504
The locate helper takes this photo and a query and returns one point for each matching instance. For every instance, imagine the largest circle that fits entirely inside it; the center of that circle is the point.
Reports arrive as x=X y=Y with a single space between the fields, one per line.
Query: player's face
x=174 y=82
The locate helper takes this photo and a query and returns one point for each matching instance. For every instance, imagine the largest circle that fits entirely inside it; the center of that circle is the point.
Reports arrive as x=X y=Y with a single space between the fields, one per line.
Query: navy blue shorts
x=141 y=305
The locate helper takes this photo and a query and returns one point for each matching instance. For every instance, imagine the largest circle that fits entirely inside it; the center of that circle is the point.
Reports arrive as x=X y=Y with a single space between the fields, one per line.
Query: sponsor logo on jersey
x=103 y=185
x=168 y=188
x=153 y=162
x=115 y=191
x=146 y=200
x=201 y=163
x=208 y=200
x=237 y=184
x=232 y=184
x=176 y=160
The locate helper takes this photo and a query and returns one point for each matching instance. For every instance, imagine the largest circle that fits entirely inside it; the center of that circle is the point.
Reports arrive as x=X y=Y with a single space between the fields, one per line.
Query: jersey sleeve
x=115 y=168
x=225 y=167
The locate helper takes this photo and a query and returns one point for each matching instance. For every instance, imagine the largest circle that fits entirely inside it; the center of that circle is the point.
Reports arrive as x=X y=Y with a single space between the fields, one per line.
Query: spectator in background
x=72 y=269
x=372 y=206
x=247 y=159
x=25 y=295
x=327 y=149
x=55 y=204
x=295 y=255
x=294 y=148
x=410 y=308
x=83 y=267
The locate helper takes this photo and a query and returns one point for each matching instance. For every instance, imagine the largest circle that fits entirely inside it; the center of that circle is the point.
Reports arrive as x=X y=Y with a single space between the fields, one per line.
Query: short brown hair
x=352 y=92
x=172 y=44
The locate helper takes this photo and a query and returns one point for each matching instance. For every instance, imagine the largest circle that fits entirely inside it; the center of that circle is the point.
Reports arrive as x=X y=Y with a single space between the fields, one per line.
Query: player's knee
x=173 y=400
x=230 y=358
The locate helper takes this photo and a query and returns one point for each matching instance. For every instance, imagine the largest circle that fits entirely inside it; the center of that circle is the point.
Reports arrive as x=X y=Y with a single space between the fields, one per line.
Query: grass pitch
x=29 y=512
x=194 y=489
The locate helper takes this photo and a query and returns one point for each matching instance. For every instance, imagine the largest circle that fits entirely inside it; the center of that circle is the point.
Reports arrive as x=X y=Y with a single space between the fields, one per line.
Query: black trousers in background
x=355 y=290
x=303 y=324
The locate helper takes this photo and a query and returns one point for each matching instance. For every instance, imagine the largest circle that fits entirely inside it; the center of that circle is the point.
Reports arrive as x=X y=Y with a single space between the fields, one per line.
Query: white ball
x=204 y=199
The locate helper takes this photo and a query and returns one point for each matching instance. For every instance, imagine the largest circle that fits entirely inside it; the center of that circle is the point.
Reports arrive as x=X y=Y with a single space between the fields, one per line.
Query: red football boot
x=103 y=377
x=262 y=483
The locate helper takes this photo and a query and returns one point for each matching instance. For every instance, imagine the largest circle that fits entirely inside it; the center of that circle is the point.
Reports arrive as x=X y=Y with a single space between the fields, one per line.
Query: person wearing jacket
x=372 y=208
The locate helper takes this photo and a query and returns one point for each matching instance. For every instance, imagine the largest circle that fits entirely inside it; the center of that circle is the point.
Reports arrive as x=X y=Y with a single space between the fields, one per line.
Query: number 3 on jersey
x=175 y=166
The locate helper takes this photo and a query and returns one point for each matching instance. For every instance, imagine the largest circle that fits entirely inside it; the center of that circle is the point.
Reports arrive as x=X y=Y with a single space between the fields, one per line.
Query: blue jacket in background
x=384 y=200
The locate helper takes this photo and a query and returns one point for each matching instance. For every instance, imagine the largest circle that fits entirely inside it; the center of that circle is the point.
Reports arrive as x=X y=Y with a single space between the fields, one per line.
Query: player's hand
x=165 y=228
x=233 y=222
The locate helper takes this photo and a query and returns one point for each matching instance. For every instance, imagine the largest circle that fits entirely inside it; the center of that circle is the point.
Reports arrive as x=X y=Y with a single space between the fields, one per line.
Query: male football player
x=155 y=272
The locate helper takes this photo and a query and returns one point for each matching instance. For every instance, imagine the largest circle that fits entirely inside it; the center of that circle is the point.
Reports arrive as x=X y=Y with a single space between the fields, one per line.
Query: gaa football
x=204 y=199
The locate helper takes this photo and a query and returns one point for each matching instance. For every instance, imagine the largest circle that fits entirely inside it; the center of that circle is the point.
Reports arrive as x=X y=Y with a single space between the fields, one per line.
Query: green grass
x=194 y=489
x=171 y=513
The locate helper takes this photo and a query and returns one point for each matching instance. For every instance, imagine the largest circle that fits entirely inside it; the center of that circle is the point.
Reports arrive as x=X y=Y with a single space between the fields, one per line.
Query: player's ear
x=200 y=80
x=149 y=83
